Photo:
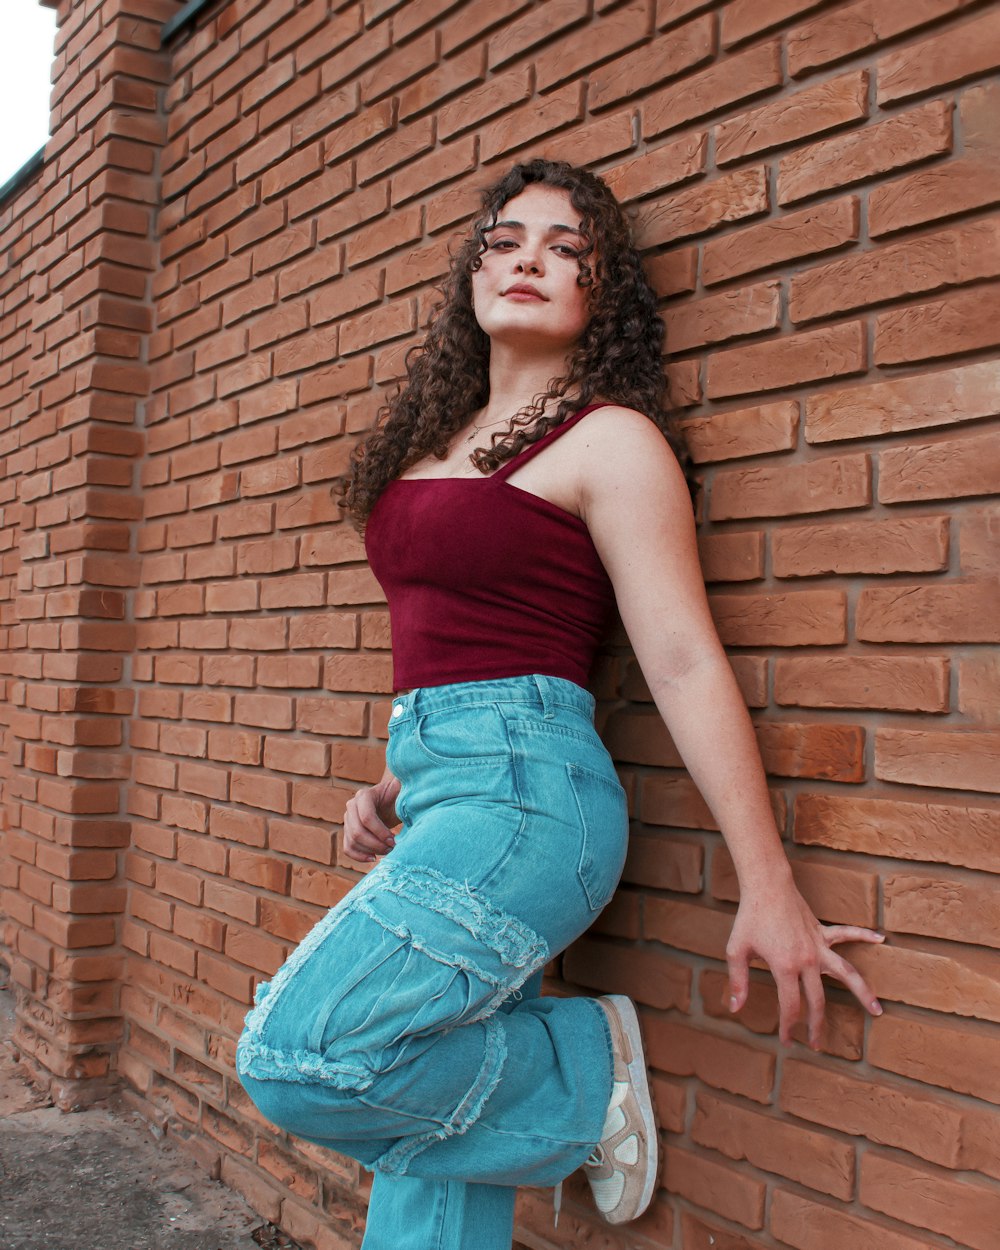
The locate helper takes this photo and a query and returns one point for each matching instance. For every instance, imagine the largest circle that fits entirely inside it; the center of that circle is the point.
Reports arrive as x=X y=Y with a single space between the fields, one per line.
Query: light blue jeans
x=406 y=1030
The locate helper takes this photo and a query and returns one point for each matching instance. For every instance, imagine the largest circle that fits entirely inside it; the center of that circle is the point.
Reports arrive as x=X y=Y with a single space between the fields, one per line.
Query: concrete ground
x=99 y=1179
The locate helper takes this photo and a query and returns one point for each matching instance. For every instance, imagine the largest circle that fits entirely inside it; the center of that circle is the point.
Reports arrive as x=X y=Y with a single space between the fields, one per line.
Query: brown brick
x=967 y=611
x=961 y=321
x=742 y=432
x=906 y=545
x=726 y=315
x=806 y=233
x=964 y=394
x=855 y=26
x=979 y=688
x=645 y=975
x=943 y=907
x=808 y=356
x=738 y=78
x=959 y=759
x=967 y=1211
x=971 y=48
x=718 y=1187
x=814 y=1159
x=899 y=683
x=695 y=210
x=732 y=557
x=943 y=470
x=818 y=486
x=799 y=619
x=831 y=104
x=948 y=834
x=874 y=150
x=652 y=64
x=718 y=1061
x=798 y=1221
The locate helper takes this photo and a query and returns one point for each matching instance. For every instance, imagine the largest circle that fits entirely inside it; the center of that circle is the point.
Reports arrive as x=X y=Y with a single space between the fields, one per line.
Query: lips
x=522 y=288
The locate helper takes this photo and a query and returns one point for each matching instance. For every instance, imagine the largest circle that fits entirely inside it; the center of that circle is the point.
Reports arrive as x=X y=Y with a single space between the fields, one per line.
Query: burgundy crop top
x=487 y=580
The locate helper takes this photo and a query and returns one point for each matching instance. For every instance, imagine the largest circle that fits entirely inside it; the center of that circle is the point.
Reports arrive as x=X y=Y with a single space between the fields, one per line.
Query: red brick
x=967 y=1211
x=962 y=52
x=962 y=611
x=964 y=394
x=979 y=540
x=953 y=833
x=890 y=1114
x=573 y=54
x=737 y=78
x=802 y=618
x=961 y=321
x=814 y=1159
x=652 y=64
x=901 y=683
x=688 y=926
x=874 y=150
x=815 y=486
x=665 y=863
x=726 y=315
x=730 y=557
x=717 y=1187
x=808 y=356
x=645 y=975
x=943 y=907
x=942 y=470
x=979 y=688
x=689 y=211
x=798 y=1221
x=957 y=1056
x=718 y=1061
x=806 y=233
x=907 y=545
x=742 y=432
x=811 y=111
x=961 y=759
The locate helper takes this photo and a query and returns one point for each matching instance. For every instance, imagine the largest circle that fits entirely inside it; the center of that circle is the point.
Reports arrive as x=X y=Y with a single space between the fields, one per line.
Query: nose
x=529 y=258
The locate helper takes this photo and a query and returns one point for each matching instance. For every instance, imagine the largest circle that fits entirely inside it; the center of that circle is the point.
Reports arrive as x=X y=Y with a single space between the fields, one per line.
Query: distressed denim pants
x=406 y=1030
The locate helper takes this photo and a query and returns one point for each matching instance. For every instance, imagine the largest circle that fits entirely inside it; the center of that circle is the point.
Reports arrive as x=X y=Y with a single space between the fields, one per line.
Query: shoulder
x=619 y=440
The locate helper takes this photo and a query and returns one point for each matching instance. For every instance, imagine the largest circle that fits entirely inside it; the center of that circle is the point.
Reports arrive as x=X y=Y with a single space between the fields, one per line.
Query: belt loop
x=545 y=694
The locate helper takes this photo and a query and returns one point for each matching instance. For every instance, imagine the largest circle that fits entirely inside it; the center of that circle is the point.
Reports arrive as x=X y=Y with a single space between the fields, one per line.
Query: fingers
x=789 y=1004
x=836 y=966
x=365 y=834
x=812 y=983
x=739 y=977
x=836 y=933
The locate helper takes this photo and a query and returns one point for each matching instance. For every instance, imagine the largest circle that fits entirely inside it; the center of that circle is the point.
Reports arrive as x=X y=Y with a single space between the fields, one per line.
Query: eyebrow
x=556 y=228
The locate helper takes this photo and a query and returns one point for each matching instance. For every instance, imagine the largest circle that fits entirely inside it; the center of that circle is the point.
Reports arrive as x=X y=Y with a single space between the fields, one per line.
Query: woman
x=407 y=1029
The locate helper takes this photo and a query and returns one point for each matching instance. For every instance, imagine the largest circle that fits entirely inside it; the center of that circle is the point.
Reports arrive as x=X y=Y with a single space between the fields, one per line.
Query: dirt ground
x=100 y=1180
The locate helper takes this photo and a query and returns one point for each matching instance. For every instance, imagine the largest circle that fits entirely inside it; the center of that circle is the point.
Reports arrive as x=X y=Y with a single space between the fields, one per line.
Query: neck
x=516 y=378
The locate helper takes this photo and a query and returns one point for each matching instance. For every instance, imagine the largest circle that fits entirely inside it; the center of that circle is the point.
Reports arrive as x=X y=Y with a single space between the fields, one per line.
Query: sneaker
x=622 y=1169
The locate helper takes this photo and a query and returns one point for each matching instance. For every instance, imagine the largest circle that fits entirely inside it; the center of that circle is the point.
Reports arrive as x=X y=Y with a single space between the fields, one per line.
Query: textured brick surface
x=207 y=291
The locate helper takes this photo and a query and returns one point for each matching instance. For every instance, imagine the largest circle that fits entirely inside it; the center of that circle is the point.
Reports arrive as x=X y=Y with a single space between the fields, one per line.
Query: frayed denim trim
x=516 y=945
x=397 y=1160
x=256 y=1059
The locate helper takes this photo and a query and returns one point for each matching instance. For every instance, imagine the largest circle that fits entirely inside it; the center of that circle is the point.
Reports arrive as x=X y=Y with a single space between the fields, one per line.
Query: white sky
x=27 y=48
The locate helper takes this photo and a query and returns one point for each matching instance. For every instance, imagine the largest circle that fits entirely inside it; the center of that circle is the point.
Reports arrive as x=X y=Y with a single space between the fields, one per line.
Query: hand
x=782 y=930
x=369 y=820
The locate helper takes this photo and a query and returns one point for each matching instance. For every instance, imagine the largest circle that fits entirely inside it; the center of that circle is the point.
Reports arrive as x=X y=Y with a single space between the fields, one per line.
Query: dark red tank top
x=487 y=580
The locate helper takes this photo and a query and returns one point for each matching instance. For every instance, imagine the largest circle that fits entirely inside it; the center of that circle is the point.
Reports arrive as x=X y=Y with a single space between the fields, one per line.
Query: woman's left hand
x=779 y=927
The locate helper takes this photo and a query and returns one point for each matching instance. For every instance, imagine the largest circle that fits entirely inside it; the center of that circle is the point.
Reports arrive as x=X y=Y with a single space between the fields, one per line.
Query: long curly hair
x=618 y=358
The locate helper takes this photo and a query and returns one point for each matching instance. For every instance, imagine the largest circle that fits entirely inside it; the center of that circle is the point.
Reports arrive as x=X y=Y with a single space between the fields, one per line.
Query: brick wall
x=205 y=292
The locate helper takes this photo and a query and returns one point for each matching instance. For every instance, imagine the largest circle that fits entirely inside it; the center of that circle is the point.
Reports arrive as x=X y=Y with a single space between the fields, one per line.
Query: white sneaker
x=622 y=1169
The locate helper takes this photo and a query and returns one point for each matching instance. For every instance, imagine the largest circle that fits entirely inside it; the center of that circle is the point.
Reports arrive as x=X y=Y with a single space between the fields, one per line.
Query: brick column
x=72 y=503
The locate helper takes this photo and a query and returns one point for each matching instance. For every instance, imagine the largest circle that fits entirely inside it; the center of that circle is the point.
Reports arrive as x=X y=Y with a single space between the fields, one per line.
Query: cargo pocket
x=603 y=811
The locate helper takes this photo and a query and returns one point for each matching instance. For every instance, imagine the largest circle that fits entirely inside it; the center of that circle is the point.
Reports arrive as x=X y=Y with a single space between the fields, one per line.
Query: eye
x=500 y=244
x=569 y=251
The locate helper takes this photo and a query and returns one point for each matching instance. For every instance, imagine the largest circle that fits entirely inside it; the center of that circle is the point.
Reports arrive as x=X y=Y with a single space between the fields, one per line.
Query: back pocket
x=603 y=810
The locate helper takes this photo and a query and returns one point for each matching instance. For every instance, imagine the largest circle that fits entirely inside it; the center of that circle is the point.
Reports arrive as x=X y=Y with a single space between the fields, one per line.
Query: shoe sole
x=629 y=1018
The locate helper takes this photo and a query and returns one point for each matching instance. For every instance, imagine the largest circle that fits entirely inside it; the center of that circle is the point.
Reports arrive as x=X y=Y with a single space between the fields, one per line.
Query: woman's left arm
x=634 y=499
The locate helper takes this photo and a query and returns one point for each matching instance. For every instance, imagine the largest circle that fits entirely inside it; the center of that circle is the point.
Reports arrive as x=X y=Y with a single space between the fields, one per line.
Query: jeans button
x=398 y=710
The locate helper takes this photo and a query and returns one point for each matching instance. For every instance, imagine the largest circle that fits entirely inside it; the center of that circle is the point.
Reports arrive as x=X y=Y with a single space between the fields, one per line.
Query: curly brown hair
x=619 y=357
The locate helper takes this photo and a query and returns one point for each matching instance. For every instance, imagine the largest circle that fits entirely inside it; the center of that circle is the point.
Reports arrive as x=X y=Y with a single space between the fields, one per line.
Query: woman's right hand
x=370 y=818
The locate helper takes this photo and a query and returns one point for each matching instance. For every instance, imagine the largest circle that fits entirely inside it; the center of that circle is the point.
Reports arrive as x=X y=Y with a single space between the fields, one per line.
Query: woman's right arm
x=370 y=818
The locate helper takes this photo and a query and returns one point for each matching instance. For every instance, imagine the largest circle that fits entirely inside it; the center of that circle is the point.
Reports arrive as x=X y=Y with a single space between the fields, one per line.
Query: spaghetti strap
x=526 y=453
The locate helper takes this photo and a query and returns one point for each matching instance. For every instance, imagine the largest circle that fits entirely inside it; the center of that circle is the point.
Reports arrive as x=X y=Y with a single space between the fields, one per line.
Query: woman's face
x=534 y=244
